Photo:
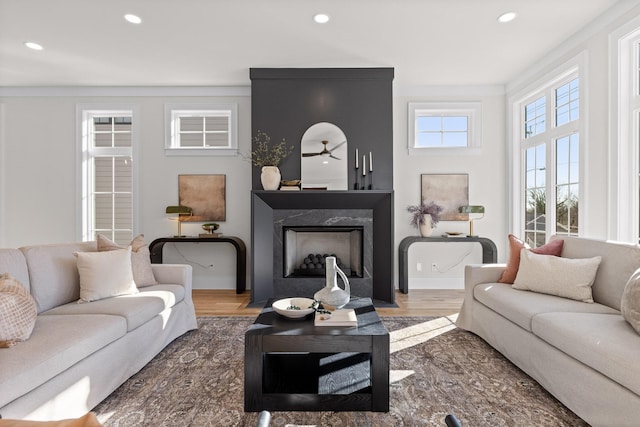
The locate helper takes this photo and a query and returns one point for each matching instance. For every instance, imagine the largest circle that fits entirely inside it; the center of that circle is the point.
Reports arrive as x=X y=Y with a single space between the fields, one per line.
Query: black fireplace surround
x=285 y=102
x=274 y=209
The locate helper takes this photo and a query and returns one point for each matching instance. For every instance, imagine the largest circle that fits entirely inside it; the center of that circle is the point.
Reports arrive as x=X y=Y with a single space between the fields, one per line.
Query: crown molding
x=141 y=91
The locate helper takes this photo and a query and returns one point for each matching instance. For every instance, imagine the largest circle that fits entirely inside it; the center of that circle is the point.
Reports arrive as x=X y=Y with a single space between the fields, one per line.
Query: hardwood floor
x=418 y=302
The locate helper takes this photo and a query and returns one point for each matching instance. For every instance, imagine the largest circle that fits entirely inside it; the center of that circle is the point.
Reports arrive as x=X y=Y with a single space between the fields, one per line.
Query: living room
x=43 y=95
x=30 y=189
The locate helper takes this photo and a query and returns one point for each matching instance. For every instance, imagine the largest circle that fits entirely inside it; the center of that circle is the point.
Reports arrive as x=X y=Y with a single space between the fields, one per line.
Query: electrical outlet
x=419 y=266
x=212 y=267
x=434 y=266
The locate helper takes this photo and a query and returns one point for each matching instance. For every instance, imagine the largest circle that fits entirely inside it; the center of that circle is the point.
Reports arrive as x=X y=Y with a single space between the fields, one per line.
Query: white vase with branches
x=268 y=156
x=425 y=217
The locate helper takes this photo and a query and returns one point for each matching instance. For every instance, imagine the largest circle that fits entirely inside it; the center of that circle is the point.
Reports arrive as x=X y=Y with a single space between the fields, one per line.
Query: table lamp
x=472 y=209
x=179 y=211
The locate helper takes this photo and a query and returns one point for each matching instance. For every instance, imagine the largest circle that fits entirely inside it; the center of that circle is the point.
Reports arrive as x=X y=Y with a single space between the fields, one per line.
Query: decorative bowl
x=284 y=307
x=210 y=227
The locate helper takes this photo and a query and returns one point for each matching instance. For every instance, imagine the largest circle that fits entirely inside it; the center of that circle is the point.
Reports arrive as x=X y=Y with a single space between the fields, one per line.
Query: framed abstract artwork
x=449 y=191
x=205 y=195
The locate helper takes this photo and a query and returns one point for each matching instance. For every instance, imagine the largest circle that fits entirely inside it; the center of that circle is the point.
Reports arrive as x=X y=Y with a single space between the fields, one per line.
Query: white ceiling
x=215 y=42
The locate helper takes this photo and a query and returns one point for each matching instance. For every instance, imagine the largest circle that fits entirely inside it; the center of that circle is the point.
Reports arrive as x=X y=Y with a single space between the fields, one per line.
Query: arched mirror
x=324 y=157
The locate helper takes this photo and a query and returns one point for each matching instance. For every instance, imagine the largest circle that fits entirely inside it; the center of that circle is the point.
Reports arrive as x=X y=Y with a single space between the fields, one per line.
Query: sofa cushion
x=521 y=306
x=604 y=342
x=630 y=304
x=53 y=272
x=140 y=258
x=56 y=344
x=105 y=274
x=18 y=312
x=515 y=246
x=564 y=277
x=137 y=309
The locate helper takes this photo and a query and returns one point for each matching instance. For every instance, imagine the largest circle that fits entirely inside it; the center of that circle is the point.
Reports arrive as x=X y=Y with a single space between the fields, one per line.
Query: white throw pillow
x=140 y=258
x=563 y=277
x=105 y=274
x=630 y=304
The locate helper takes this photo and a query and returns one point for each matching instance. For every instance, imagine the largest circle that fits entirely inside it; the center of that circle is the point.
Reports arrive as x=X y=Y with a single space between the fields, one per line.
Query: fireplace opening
x=305 y=249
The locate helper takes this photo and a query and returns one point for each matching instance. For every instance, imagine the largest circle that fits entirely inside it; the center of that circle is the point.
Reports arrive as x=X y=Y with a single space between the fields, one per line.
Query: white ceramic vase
x=270 y=177
x=331 y=295
x=425 y=229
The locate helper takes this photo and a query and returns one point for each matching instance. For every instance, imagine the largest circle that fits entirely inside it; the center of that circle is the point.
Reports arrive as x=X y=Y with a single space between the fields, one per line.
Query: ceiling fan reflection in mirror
x=326 y=152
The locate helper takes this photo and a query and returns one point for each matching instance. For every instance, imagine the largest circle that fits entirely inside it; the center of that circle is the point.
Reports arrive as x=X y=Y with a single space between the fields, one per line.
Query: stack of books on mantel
x=340 y=317
x=289 y=188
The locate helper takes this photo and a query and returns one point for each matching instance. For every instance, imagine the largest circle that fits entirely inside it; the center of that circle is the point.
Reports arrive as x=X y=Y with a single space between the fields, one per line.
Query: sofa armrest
x=475 y=274
x=178 y=274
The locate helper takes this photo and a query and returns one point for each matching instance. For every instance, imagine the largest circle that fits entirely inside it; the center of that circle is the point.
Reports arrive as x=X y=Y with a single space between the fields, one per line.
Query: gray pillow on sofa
x=563 y=277
x=630 y=305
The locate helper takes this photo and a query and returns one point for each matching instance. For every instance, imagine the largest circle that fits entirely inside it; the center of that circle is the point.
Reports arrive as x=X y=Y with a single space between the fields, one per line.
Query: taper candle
x=356 y=158
x=370 y=162
x=364 y=165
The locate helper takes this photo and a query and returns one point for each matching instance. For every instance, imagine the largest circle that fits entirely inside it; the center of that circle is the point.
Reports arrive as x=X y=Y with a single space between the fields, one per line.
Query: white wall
x=487 y=185
x=39 y=168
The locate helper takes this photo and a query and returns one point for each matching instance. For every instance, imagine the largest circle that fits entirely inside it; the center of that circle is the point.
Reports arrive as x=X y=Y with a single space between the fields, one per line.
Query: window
x=535 y=117
x=624 y=206
x=434 y=126
x=549 y=135
x=107 y=174
x=201 y=129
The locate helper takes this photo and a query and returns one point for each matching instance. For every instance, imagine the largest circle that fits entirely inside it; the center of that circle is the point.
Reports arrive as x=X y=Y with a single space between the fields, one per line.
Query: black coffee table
x=292 y=365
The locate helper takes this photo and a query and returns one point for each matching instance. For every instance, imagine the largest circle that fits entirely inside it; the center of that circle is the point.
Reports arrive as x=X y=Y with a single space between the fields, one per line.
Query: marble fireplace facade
x=330 y=218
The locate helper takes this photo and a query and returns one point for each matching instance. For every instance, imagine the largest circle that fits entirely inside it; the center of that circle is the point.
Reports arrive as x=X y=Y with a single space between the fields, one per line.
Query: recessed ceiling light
x=134 y=19
x=507 y=17
x=34 y=46
x=321 y=18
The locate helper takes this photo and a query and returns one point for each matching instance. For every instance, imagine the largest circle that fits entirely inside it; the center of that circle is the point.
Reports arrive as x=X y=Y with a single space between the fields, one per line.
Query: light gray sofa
x=585 y=354
x=78 y=354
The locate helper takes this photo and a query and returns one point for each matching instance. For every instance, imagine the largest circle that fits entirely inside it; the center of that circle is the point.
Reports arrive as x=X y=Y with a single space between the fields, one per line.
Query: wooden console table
x=241 y=253
x=489 y=253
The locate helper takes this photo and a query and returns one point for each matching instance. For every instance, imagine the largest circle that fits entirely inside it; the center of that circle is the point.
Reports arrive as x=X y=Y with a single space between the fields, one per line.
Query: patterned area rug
x=436 y=369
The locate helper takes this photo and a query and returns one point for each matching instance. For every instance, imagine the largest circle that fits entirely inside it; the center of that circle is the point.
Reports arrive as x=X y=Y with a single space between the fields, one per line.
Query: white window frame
x=3 y=178
x=576 y=67
x=471 y=110
x=173 y=111
x=624 y=153
x=84 y=171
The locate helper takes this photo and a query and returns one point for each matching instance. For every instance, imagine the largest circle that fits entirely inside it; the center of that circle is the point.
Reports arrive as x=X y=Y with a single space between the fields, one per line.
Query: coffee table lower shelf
x=317 y=381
